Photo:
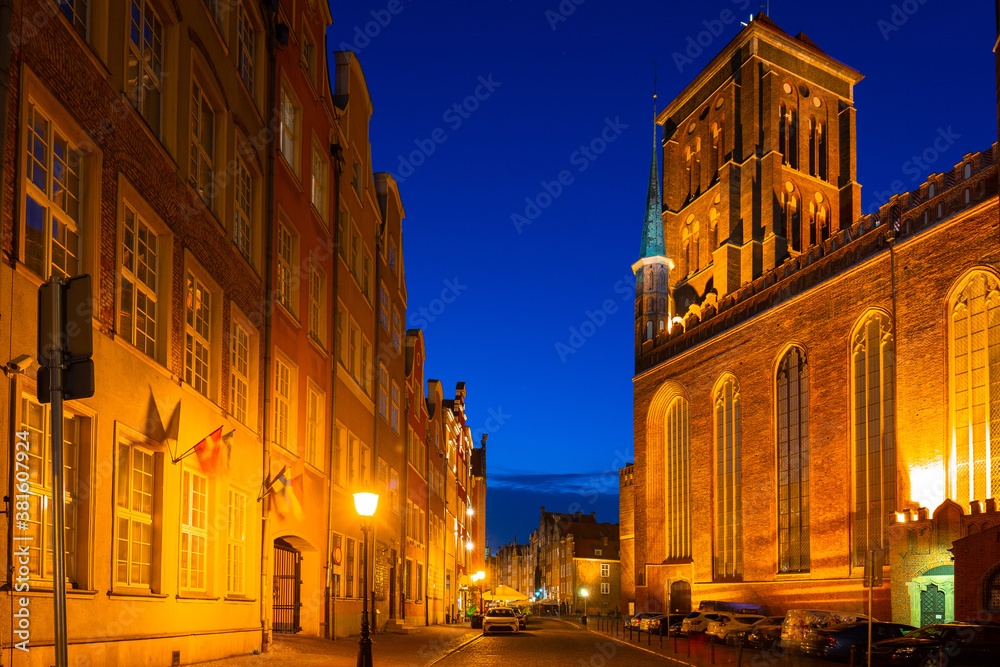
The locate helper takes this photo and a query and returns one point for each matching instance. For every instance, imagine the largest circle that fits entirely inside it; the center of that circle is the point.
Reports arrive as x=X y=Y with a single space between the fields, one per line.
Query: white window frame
x=194 y=561
x=394 y=407
x=239 y=369
x=290 y=118
x=236 y=551
x=140 y=254
x=243 y=234
x=284 y=251
x=319 y=184
x=284 y=384
x=138 y=573
x=317 y=302
x=202 y=157
x=146 y=59
x=246 y=42
x=198 y=336
x=314 y=426
x=605 y=569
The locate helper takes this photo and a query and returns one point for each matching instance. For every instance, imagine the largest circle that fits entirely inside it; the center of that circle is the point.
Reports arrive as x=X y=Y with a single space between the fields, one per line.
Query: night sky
x=518 y=243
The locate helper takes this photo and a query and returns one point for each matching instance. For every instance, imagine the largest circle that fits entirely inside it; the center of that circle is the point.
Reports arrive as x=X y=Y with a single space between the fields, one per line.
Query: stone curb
x=626 y=643
x=455 y=650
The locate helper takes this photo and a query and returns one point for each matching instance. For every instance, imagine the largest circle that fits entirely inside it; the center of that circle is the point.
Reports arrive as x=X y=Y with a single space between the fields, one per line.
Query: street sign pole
x=58 y=492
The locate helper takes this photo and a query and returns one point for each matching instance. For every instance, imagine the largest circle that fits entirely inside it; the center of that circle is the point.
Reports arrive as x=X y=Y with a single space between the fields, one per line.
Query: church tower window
x=678 y=480
x=728 y=500
x=793 y=462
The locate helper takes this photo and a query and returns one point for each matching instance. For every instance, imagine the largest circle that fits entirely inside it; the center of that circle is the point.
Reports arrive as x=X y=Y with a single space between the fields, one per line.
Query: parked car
x=835 y=642
x=800 y=622
x=741 y=637
x=726 y=623
x=637 y=619
x=697 y=621
x=965 y=644
x=663 y=623
x=522 y=619
x=500 y=619
x=765 y=636
x=731 y=607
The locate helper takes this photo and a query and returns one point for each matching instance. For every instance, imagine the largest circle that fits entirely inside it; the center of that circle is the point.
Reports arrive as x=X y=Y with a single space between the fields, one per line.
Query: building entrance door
x=680 y=597
x=287 y=574
x=932 y=608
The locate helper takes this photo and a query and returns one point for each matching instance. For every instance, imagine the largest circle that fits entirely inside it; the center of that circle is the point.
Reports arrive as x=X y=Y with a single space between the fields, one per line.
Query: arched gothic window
x=974 y=459
x=873 y=431
x=793 y=462
x=677 y=456
x=728 y=499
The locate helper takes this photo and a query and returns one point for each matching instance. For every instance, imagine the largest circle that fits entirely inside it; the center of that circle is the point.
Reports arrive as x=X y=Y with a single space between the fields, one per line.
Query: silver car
x=500 y=619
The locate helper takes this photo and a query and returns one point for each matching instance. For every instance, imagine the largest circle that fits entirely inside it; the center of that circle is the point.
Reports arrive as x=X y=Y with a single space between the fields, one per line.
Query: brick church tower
x=758 y=162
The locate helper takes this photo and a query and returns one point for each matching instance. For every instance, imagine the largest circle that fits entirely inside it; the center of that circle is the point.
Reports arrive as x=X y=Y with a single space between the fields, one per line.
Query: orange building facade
x=803 y=372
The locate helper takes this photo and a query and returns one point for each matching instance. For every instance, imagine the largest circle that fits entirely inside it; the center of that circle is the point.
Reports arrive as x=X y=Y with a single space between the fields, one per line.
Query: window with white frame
x=240 y=372
x=137 y=314
x=145 y=57
x=353 y=452
x=288 y=134
x=76 y=12
x=52 y=214
x=243 y=212
x=366 y=366
x=605 y=569
x=357 y=253
x=194 y=531
x=245 y=42
x=317 y=284
x=282 y=402
x=202 y=157
x=394 y=408
x=353 y=350
x=135 y=491
x=396 y=327
x=319 y=181
x=37 y=459
x=197 y=335
x=383 y=392
x=343 y=330
x=364 y=465
x=236 y=556
x=339 y=450
x=384 y=307
x=366 y=275
x=605 y=588
x=394 y=490
x=307 y=57
x=283 y=294
x=314 y=427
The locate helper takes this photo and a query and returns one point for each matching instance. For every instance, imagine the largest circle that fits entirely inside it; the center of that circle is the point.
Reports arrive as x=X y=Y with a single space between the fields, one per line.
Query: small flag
x=209 y=451
x=227 y=440
x=286 y=496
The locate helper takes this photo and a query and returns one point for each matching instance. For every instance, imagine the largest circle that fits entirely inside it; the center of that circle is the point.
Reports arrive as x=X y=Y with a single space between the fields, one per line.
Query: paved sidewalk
x=423 y=646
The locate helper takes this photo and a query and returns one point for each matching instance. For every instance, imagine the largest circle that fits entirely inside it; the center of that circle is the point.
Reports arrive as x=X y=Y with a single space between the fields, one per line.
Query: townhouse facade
x=211 y=171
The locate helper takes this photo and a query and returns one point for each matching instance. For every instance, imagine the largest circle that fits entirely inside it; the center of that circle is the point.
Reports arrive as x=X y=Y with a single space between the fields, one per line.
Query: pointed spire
x=652 y=230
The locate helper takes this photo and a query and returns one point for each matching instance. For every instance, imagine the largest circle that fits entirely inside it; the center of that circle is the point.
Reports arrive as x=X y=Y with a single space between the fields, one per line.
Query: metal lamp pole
x=365 y=503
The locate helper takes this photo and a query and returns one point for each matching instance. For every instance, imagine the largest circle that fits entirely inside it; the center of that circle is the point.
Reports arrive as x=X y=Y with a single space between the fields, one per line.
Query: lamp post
x=365 y=504
x=479 y=576
x=468 y=559
x=584 y=593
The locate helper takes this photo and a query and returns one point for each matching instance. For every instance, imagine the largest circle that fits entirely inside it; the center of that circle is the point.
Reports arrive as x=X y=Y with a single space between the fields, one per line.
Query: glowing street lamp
x=365 y=504
x=584 y=593
x=479 y=576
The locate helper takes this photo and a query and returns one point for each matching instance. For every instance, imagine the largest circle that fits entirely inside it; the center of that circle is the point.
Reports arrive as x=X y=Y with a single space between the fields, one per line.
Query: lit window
x=145 y=56
x=284 y=292
x=793 y=462
x=202 y=145
x=605 y=569
x=282 y=402
x=245 y=47
x=974 y=465
x=194 y=533
x=314 y=427
x=52 y=199
x=236 y=556
x=384 y=307
x=396 y=326
x=240 y=369
x=316 y=285
x=243 y=214
x=138 y=283
x=605 y=588
x=383 y=392
x=289 y=127
x=872 y=376
x=35 y=421
x=319 y=181
x=197 y=335
x=134 y=513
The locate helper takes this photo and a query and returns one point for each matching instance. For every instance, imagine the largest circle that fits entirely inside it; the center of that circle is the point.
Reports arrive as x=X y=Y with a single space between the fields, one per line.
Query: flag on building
x=209 y=450
x=287 y=487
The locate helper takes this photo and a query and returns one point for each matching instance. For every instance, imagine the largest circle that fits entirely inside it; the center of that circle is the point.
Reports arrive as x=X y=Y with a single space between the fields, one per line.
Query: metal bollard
x=661 y=636
x=649 y=639
x=739 y=658
x=712 y=646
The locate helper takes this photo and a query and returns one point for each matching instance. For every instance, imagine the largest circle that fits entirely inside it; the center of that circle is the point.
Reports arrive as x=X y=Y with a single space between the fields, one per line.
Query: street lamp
x=365 y=504
x=479 y=576
x=584 y=593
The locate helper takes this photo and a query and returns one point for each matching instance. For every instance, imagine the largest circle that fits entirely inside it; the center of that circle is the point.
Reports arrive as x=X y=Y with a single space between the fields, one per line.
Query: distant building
x=804 y=372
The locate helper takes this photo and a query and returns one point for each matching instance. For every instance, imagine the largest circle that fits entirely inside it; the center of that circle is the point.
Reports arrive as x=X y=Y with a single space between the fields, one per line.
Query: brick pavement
x=421 y=647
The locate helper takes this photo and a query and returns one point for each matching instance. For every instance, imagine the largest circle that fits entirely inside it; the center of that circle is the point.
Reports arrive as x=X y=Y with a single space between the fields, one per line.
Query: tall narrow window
x=197 y=335
x=383 y=315
x=349 y=568
x=314 y=427
x=792 y=226
x=145 y=58
x=316 y=284
x=821 y=141
x=35 y=421
x=319 y=181
x=194 y=531
x=728 y=500
x=793 y=140
x=282 y=402
x=243 y=213
x=813 y=147
x=284 y=292
x=138 y=283
x=974 y=459
x=288 y=135
x=52 y=199
x=245 y=48
x=678 y=482
x=793 y=462
x=383 y=392
x=134 y=513
x=202 y=145
x=239 y=368
x=237 y=550
x=394 y=408
x=873 y=395
x=783 y=133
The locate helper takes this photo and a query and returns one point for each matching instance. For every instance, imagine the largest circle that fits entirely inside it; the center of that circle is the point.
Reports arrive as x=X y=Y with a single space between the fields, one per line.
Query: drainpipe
x=272 y=117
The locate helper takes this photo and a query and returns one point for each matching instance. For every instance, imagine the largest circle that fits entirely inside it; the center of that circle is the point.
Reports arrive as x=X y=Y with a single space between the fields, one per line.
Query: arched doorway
x=287 y=575
x=932 y=596
x=680 y=597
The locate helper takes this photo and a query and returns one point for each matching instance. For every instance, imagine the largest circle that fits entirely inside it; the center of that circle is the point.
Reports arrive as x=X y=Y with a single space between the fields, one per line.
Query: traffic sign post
x=872 y=579
x=65 y=345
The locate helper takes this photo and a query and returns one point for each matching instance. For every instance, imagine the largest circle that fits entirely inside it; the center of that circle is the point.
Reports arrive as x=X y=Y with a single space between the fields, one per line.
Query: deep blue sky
x=562 y=422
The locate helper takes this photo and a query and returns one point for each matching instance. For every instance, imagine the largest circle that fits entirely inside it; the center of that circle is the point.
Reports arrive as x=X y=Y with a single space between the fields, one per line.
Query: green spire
x=652 y=231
